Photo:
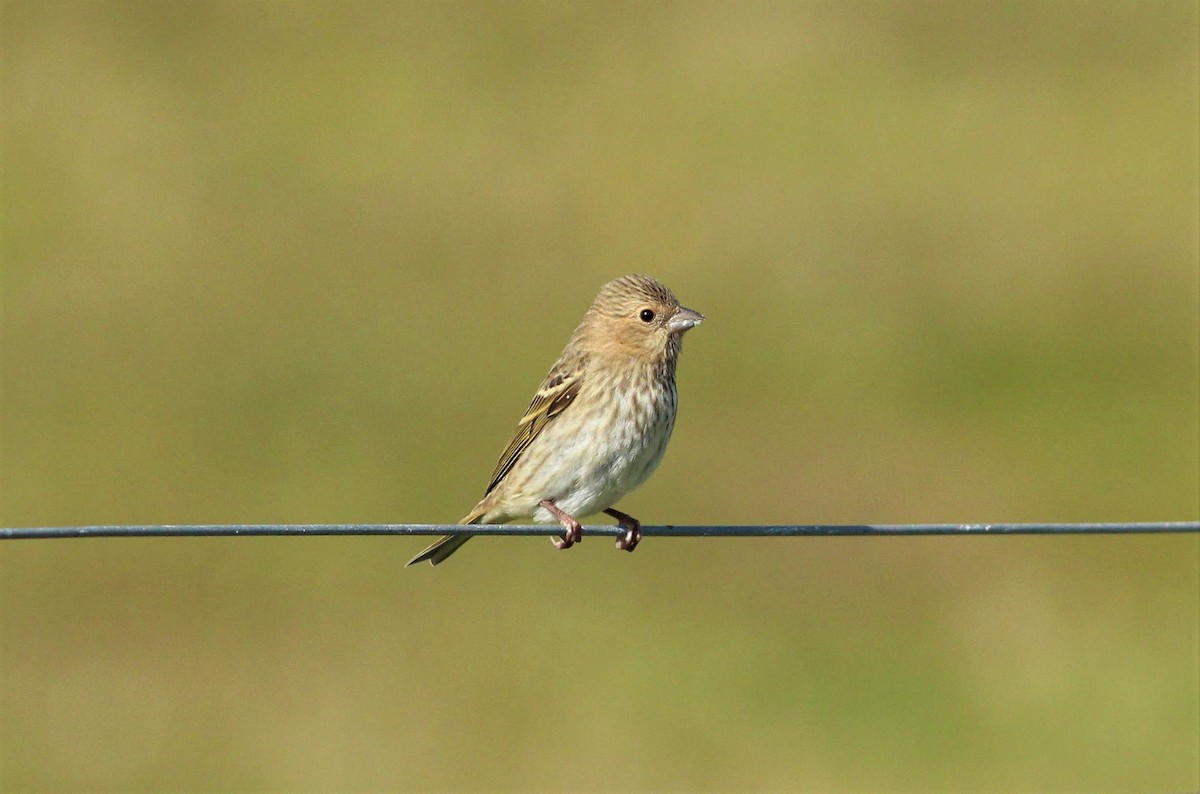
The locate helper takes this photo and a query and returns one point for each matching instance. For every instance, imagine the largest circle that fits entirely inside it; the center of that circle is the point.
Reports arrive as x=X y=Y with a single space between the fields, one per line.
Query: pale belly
x=587 y=468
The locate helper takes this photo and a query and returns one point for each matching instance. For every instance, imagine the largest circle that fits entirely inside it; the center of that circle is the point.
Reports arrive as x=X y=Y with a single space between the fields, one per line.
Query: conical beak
x=683 y=319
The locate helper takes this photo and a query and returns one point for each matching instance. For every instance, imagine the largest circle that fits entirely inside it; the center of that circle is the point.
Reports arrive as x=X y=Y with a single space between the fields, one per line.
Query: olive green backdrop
x=306 y=262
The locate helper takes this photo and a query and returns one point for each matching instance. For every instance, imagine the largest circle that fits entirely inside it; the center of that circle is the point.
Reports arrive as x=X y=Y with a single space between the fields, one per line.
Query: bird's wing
x=558 y=390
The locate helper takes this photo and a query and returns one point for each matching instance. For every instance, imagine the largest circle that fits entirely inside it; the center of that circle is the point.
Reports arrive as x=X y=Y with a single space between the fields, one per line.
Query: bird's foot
x=632 y=527
x=574 y=533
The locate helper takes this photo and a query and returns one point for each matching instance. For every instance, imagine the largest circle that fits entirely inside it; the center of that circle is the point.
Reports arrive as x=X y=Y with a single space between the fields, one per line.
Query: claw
x=574 y=530
x=629 y=541
x=632 y=527
x=573 y=535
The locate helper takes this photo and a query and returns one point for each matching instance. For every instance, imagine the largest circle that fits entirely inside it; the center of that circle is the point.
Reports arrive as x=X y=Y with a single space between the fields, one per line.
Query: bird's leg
x=574 y=532
x=632 y=527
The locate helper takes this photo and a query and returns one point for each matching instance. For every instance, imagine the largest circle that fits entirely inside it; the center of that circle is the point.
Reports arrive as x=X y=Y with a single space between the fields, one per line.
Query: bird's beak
x=683 y=319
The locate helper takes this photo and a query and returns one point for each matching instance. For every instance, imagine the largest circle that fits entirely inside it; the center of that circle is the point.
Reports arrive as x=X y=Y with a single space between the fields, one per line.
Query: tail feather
x=440 y=550
x=447 y=544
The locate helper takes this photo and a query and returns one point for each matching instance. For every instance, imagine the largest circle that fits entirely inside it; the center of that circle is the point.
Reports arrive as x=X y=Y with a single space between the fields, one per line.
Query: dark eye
x=647 y=315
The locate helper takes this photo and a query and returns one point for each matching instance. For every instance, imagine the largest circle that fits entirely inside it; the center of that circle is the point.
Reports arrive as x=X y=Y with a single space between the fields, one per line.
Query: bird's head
x=639 y=316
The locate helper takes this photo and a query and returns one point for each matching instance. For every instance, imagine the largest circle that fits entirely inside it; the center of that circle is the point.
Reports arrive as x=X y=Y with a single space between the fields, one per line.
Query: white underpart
x=591 y=467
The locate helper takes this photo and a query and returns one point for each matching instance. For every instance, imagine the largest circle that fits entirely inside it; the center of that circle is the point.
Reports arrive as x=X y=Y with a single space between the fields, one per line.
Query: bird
x=599 y=423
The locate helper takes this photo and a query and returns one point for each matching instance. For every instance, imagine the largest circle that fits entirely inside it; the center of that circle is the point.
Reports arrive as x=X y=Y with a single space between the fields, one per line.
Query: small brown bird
x=599 y=423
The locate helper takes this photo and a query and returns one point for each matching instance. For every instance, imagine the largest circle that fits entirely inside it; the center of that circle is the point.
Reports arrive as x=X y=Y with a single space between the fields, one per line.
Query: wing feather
x=557 y=392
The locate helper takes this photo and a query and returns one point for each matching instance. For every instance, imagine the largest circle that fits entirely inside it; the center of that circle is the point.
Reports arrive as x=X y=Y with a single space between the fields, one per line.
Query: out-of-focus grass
x=283 y=262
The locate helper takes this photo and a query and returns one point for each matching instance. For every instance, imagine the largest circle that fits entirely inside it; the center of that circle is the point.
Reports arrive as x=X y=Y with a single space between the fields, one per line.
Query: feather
x=557 y=392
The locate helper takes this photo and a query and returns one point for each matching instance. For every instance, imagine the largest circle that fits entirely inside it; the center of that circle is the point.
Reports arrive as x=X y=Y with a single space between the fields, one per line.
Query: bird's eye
x=647 y=315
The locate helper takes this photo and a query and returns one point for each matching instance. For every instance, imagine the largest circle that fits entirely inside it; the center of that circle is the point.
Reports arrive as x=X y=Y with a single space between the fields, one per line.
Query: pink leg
x=574 y=532
x=632 y=527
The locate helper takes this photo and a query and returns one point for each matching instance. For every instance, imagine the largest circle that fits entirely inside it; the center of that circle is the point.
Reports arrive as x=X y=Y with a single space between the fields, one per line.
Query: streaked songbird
x=599 y=423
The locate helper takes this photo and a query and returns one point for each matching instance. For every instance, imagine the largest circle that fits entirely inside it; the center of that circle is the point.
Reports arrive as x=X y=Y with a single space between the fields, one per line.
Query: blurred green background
x=306 y=262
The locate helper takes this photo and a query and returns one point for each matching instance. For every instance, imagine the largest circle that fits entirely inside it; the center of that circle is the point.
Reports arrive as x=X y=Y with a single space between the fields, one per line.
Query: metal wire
x=753 y=530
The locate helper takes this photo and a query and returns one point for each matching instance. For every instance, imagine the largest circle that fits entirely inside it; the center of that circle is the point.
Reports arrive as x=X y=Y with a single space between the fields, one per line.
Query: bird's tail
x=445 y=545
